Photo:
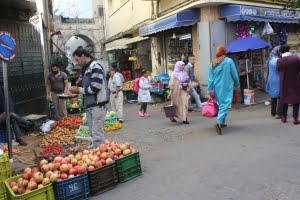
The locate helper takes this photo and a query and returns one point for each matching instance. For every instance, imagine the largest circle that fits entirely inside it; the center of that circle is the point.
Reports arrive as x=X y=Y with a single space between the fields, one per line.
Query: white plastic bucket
x=248 y=97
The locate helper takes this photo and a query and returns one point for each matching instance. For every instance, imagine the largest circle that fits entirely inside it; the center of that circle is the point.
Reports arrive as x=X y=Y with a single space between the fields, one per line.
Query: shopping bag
x=211 y=108
x=267 y=30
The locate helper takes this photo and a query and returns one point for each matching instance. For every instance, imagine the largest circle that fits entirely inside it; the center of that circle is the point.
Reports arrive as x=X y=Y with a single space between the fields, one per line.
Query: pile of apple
x=62 y=168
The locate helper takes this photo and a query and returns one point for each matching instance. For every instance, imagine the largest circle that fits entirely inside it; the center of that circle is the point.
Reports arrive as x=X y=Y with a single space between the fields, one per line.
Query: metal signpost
x=7 y=53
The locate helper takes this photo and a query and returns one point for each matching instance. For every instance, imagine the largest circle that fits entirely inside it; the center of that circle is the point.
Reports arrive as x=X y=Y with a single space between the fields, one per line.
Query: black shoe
x=121 y=121
x=173 y=119
x=186 y=122
x=218 y=129
x=21 y=142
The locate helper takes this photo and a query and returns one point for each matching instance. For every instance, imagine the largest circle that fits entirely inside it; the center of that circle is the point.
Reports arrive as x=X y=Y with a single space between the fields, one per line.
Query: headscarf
x=220 y=55
x=177 y=73
x=275 y=53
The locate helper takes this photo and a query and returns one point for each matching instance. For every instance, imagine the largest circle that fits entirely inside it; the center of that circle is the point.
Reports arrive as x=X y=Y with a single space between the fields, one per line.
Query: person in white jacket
x=144 y=94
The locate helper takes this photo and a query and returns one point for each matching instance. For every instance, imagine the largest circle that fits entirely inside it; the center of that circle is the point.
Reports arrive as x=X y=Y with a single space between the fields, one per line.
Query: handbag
x=211 y=108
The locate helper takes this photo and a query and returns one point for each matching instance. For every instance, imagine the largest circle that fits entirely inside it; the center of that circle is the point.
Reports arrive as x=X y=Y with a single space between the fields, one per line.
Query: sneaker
x=146 y=114
x=141 y=114
x=296 y=121
x=121 y=121
x=186 y=122
x=22 y=142
x=283 y=119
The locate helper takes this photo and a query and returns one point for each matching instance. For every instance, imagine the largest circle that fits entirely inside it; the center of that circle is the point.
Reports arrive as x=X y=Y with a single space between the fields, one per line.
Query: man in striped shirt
x=95 y=90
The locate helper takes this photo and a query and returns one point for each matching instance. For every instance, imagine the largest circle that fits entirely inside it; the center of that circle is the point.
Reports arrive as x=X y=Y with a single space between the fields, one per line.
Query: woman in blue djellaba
x=222 y=78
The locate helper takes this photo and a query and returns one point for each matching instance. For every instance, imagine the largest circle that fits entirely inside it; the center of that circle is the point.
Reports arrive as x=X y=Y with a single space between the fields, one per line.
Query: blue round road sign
x=7 y=46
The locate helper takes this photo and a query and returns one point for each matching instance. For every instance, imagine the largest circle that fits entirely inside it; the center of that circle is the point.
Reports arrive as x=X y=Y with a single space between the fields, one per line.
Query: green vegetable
x=84 y=132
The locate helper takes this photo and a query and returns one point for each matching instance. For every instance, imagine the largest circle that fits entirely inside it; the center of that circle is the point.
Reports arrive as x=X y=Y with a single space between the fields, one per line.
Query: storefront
x=175 y=36
x=272 y=25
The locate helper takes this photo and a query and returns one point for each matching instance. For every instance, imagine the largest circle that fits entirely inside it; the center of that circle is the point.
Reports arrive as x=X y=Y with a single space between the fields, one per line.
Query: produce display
x=83 y=131
x=62 y=168
x=128 y=85
x=52 y=150
x=71 y=122
x=74 y=103
x=59 y=135
x=110 y=126
x=110 y=115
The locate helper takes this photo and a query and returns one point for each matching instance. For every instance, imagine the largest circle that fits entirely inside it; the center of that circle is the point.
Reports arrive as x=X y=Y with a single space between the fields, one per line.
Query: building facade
x=26 y=72
x=178 y=28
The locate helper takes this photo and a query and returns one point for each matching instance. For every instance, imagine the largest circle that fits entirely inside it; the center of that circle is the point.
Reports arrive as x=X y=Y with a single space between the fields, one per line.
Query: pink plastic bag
x=211 y=108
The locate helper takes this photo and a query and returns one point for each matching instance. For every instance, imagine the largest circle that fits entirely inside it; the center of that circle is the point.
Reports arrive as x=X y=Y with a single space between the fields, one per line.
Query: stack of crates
x=5 y=172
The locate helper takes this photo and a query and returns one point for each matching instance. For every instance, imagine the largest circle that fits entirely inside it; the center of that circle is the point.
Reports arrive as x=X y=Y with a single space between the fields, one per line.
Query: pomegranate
x=115 y=157
x=74 y=161
x=91 y=168
x=91 y=157
x=123 y=147
x=126 y=152
x=80 y=162
x=27 y=175
x=38 y=177
x=71 y=156
x=108 y=148
x=133 y=150
x=64 y=168
x=20 y=182
x=103 y=155
x=88 y=162
x=15 y=188
x=12 y=184
x=102 y=148
x=32 y=185
x=57 y=159
x=85 y=152
x=25 y=183
x=121 y=156
x=109 y=161
x=27 y=169
x=127 y=144
x=53 y=177
x=20 y=191
x=73 y=171
x=56 y=166
x=84 y=157
x=35 y=169
x=46 y=181
x=51 y=166
x=27 y=191
x=110 y=154
x=63 y=176
x=43 y=162
x=81 y=169
x=40 y=186
x=103 y=162
x=44 y=168
x=97 y=164
x=118 y=152
x=48 y=174
x=78 y=156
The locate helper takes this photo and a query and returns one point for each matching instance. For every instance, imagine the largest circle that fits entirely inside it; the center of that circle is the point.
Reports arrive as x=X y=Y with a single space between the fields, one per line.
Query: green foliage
x=61 y=59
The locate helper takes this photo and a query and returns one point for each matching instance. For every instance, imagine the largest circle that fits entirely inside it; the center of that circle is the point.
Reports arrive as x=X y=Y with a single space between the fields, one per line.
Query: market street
x=257 y=158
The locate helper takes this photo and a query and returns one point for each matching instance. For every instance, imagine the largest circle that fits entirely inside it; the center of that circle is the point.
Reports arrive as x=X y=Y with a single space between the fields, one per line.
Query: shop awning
x=184 y=18
x=136 y=39
x=116 y=44
x=234 y=13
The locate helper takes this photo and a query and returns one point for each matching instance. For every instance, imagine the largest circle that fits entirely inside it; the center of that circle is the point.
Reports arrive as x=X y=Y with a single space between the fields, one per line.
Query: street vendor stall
x=247 y=46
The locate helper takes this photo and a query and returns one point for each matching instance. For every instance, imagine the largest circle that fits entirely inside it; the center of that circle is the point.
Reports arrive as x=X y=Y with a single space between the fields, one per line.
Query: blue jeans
x=194 y=94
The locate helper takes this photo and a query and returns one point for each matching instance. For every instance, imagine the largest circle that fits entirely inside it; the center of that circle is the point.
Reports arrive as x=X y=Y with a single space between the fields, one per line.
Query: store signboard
x=268 y=12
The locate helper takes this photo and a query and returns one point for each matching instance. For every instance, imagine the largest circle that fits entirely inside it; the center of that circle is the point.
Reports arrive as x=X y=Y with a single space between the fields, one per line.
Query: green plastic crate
x=2 y=191
x=44 y=193
x=129 y=167
x=5 y=168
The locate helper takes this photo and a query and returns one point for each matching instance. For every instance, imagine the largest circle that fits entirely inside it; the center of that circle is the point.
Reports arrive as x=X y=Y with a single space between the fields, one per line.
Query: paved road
x=257 y=158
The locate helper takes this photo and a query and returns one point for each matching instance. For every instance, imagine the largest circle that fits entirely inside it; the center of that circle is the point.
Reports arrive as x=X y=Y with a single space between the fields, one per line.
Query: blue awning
x=184 y=18
x=234 y=13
